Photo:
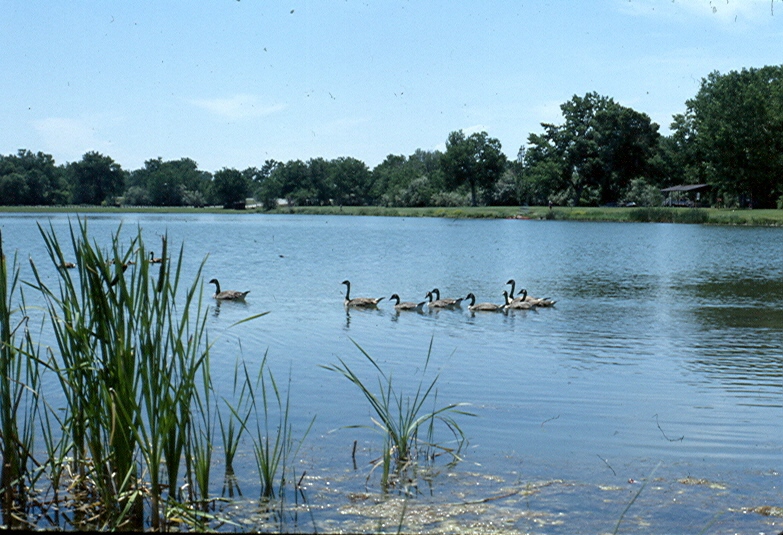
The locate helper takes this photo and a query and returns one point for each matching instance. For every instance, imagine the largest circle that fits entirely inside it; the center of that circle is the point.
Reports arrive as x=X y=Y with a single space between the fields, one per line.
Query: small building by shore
x=685 y=195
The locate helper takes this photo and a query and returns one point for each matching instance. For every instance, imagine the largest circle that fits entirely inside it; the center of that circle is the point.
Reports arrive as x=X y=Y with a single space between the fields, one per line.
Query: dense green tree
x=389 y=177
x=168 y=183
x=393 y=179
x=505 y=192
x=229 y=186
x=137 y=196
x=264 y=184
x=293 y=178
x=735 y=128
x=642 y=193
x=538 y=176
x=28 y=178
x=319 y=181
x=14 y=190
x=679 y=159
x=351 y=180
x=476 y=161
x=96 y=179
x=595 y=153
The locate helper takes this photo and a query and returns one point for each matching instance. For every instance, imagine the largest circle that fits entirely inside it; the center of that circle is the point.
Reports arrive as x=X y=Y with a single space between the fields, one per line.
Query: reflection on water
x=657 y=327
x=217 y=303
x=731 y=289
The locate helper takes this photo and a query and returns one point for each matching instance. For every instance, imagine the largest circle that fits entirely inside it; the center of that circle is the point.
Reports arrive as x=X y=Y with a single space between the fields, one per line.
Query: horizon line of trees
x=729 y=137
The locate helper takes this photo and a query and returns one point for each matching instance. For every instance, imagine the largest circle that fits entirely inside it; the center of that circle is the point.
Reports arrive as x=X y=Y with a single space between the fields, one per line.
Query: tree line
x=729 y=137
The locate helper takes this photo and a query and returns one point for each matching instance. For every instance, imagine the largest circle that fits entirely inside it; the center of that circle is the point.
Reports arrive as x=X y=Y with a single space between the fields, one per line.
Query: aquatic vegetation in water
x=132 y=446
x=19 y=381
x=400 y=419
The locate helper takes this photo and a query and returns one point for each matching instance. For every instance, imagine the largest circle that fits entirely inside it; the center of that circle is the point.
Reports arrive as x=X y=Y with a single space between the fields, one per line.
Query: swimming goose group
x=535 y=301
x=521 y=302
x=434 y=300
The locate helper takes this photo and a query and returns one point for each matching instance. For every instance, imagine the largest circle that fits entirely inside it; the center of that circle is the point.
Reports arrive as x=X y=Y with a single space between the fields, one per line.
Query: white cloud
x=238 y=107
x=475 y=129
x=71 y=138
x=549 y=112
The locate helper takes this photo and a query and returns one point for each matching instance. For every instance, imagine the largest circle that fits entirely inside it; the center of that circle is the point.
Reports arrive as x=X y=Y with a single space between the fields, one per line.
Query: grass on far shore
x=713 y=216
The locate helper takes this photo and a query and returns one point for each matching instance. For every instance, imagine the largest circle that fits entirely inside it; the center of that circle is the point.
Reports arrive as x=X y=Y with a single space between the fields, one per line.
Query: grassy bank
x=710 y=216
x=713 y=216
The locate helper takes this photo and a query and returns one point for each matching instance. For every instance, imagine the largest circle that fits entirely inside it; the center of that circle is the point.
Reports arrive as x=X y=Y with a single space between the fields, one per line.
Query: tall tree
x=96 y=179
x=31 y=178
x=736 y=120
x=351 y=180
x=293 y=178
x=596 y=152
x=229 y=186
x=475 y=160
x=170 y=183
x=264 y=184
x=320 y=187
x=390 y=177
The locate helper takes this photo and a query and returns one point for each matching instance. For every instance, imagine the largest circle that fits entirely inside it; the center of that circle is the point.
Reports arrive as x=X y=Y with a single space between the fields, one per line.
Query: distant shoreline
x=710 y=216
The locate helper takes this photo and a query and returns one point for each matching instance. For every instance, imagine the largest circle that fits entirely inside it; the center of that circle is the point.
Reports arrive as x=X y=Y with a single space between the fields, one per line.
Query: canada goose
x=154 y=260
x=446 y=301
x=116 y=278
x=436 y=303
x=485 y=307
x=537 y=301
x=227 y=295
x=520 y=303
x=366 y=302
x=123 y=264
x=67 y=265
x=406 y=305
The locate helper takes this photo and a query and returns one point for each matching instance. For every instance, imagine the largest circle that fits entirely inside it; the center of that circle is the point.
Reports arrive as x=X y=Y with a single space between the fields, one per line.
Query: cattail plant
x=131 y=353
x=19 y=402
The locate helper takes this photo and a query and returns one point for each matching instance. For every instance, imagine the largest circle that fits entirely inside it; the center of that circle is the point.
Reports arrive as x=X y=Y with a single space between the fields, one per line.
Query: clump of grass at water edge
x=406 y=423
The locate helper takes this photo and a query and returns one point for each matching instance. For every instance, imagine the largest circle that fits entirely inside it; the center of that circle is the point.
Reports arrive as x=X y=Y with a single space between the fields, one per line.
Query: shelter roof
x=686 y=187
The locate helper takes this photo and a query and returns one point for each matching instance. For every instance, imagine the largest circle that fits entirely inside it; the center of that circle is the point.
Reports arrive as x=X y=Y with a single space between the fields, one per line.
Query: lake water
x=663 y=353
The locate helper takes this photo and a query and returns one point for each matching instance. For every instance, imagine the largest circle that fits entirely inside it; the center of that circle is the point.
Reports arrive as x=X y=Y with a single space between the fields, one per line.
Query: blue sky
x=233 y=83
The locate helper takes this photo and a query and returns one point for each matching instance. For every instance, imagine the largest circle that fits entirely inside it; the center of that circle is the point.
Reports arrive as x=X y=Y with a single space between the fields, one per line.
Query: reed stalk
x=273 y=444
x=233 y=425
x=131 y=351
x=201 y=441
x=19 y=402
x=399 y=419
x=635 y=496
